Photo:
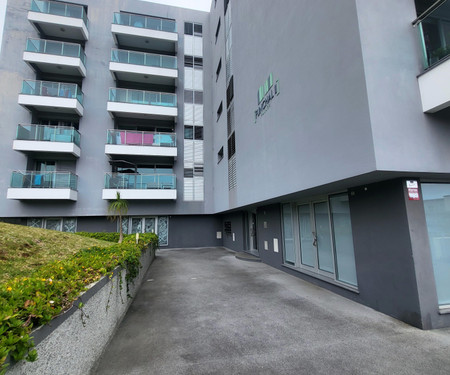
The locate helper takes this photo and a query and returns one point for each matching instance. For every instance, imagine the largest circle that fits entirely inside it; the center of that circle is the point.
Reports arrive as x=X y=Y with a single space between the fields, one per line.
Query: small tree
x=117 y=208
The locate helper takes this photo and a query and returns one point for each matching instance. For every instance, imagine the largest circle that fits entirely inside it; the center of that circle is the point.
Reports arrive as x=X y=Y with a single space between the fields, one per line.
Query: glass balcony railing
x=48 y=133
x=48 y=180
x=434 y=34
x=140 y=138
x=139 y=181
x=55 y=89
x=141 y=58
x=145 y=22
x=58 y=8
x=142 y=97
x=52 y=47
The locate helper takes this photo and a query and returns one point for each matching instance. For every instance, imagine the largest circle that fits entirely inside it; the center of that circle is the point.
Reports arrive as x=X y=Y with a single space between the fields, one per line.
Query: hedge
x=29 y=302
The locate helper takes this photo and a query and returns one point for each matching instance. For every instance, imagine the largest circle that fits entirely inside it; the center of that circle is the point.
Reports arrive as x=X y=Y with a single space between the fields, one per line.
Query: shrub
x=27 y=303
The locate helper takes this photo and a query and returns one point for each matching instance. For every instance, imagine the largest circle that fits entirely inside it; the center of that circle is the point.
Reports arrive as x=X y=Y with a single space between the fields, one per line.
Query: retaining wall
x=73 y=342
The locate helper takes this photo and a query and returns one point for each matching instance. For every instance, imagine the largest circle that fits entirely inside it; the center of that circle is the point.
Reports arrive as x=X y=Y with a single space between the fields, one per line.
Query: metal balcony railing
x=139 y=181
x=145 y=22
x=140 y=138
x=145 y=59
x=48 y=133
x=434 y=33
x=55 y=89
x=52 y=47
x=58 y=8
x=49 y=180
x=142 y=97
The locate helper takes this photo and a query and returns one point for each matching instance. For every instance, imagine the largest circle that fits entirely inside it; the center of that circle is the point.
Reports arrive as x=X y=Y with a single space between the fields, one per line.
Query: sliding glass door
x=318 y=238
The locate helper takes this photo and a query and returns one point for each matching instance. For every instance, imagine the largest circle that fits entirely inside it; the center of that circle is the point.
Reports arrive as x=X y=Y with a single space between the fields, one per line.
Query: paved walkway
x=202 y=311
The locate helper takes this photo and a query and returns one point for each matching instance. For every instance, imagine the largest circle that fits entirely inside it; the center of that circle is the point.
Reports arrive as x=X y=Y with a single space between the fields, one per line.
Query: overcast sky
x=192 y=4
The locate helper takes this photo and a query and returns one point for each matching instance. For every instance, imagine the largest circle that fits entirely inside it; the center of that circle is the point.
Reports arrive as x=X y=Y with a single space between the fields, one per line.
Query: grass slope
x=22 y=248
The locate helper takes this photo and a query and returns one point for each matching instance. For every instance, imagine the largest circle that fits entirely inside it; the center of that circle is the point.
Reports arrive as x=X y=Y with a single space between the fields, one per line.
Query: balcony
x=143 y=67
x=144 y=32
x=35 y=185
x=434 y=40
x=140 y=186
x=141 y=144
x=41 y=140
x=58 y=19
x=44 y=96
x=142 y=104
x=48 y=56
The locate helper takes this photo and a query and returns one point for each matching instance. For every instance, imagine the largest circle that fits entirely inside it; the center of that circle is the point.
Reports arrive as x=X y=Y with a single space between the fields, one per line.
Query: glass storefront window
x=436 y=201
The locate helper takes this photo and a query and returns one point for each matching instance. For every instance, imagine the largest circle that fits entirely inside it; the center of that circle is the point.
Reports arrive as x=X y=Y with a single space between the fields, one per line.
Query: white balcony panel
x=141 y=110
x=143 y=194
x=434 y=88
x=138 y=37
x=41 y=193
x=59 y=26
x=51 y=104
x=140 y=150
x=51 y=147
x=55 y=64
x=143 y=74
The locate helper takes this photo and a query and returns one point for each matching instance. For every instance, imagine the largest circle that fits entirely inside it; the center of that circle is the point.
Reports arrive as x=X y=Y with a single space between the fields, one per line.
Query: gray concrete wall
x=194 y=231
x=95 y=224
x=318 y=129
x=405 y=139
x=73 y=342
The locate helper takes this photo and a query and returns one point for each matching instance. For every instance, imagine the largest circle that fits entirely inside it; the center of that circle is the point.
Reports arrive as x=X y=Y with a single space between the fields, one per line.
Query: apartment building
x=313 y=134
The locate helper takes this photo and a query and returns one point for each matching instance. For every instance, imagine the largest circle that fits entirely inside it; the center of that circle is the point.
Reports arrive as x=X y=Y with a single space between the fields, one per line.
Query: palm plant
x=116 y=209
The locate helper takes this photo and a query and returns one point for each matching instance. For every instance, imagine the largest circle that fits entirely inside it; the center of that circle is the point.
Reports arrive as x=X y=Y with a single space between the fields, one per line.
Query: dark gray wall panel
x=194 y=231
x=383 y=254
x=237 y=220
x=271 y=215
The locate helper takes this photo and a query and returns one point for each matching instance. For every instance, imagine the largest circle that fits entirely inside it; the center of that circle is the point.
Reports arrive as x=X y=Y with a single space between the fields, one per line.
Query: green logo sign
x=267 y=91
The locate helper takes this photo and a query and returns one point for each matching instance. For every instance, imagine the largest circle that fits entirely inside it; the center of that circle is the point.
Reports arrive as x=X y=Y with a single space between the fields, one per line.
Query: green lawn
x=22 y=248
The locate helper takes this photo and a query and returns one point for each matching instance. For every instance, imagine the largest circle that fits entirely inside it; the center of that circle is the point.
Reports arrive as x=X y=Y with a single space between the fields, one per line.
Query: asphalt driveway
x=202 y=311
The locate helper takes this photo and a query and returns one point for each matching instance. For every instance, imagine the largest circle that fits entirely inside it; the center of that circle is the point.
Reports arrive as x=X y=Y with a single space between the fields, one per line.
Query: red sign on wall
x=413 y=190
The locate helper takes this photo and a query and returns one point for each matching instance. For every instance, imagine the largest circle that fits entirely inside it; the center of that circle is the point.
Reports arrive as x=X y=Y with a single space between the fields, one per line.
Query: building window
x=193 y=29
x=188 y=132
x=188 y=28
x=198 y=133
x=198 y=97
x=231 y=145
x=225 y=6
x=220 y=155
x=227 y=227
x=318 y=239
x=219 y=68
x=217 y=30
x=230 y=91
x=189 y=61
x=219 y=110
x=188 y=96
x=198 y=170
x=188 y=172
x=66 y=224
x=198 y=62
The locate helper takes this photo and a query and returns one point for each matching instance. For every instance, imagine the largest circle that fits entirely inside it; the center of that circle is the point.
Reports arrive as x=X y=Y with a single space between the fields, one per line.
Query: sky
x=192 y=4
